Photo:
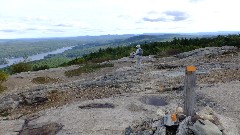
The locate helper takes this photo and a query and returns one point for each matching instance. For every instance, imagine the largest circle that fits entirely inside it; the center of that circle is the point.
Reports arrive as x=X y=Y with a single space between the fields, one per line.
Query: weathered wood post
x=189 y=90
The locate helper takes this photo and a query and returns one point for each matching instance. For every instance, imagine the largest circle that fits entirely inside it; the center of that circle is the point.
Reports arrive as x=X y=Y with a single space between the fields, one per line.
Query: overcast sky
x=61 y=18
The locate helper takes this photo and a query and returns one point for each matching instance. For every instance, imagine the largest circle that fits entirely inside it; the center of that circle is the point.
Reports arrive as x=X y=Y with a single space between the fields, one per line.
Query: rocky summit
x=126 y=100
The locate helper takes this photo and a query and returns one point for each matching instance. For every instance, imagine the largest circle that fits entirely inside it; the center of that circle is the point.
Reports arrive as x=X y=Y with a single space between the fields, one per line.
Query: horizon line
x=149 y=33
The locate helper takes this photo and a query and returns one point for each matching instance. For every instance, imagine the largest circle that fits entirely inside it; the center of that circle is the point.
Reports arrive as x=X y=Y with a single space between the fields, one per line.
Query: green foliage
x=87 y=69
x=41 y=67
x=99 y=51
x=76 y=61
x=2 y=88
x=178 y=45
x=104 y=55
x=44 y=80
x=28 y=47
x=160 y=49
x=48 y=63
x=3 y=76
x=20 y=67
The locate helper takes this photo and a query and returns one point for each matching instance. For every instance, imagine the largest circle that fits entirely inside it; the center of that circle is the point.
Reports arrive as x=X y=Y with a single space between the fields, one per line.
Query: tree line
x=159 y=49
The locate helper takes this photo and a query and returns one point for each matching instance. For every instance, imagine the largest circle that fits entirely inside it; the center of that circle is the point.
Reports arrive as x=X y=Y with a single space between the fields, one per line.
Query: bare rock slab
x=11 y=127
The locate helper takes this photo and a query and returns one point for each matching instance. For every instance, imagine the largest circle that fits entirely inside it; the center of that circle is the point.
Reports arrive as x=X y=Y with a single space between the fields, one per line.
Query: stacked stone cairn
x=204 y=122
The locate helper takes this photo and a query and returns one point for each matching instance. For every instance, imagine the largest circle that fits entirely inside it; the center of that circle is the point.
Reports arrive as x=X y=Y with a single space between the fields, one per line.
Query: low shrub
x=2 y=88
x=44 y=80
x=3 y=76
x=20 y=67
x=171 y=52
x=42 y=67
x=87 y=69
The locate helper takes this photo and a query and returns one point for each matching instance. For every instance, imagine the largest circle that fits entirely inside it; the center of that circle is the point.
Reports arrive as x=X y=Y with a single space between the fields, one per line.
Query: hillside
x=110 y=99
x=82 y=45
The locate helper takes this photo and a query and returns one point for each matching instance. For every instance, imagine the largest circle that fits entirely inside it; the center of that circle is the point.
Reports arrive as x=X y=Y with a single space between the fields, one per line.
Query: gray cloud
x=9 y=30
x=55 y=30
x=168 y=16
x=63 y=25
x=160 y=19
x=152 y=12
x=178 y=15
x=179 y=18
x=31 y=29
x=174 y=13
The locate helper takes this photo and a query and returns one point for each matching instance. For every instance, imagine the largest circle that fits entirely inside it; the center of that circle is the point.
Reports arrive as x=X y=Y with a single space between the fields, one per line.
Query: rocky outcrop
x=120 y=81
x=10 y=102
x=161 y=77
x=207 y=51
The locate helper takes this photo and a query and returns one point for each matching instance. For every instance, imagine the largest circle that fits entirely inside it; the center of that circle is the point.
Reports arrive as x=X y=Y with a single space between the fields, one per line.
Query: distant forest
x=160 y=49
x=82 y=46
x=27 y=47
x=105 y=50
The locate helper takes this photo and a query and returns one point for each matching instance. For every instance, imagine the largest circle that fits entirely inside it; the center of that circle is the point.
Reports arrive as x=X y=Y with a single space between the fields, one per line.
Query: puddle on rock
x=97 y=105
x=153 y=100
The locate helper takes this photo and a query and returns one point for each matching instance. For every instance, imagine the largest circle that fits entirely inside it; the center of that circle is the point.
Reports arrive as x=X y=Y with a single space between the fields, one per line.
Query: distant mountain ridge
x=124 y=36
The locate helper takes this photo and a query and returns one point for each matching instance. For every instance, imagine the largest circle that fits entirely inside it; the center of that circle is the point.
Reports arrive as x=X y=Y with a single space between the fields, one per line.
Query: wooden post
x=189 y=90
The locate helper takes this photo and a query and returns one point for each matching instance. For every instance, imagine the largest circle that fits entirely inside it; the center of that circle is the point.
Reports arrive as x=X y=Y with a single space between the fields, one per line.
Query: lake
x=35 y=57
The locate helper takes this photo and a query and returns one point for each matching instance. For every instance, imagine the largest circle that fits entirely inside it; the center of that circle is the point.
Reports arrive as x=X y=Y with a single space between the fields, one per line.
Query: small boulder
x=205 y=127
x=206 y=113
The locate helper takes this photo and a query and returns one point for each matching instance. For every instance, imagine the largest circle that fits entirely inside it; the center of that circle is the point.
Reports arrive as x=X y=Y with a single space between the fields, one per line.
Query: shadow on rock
x=97 y=105
x=49 y=129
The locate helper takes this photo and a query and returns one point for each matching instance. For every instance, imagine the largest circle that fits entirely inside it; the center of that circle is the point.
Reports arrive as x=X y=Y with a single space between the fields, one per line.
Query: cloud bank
x=167 y=16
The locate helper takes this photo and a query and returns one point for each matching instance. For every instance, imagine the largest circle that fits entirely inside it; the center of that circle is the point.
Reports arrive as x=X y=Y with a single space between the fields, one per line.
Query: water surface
x=35 y=57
